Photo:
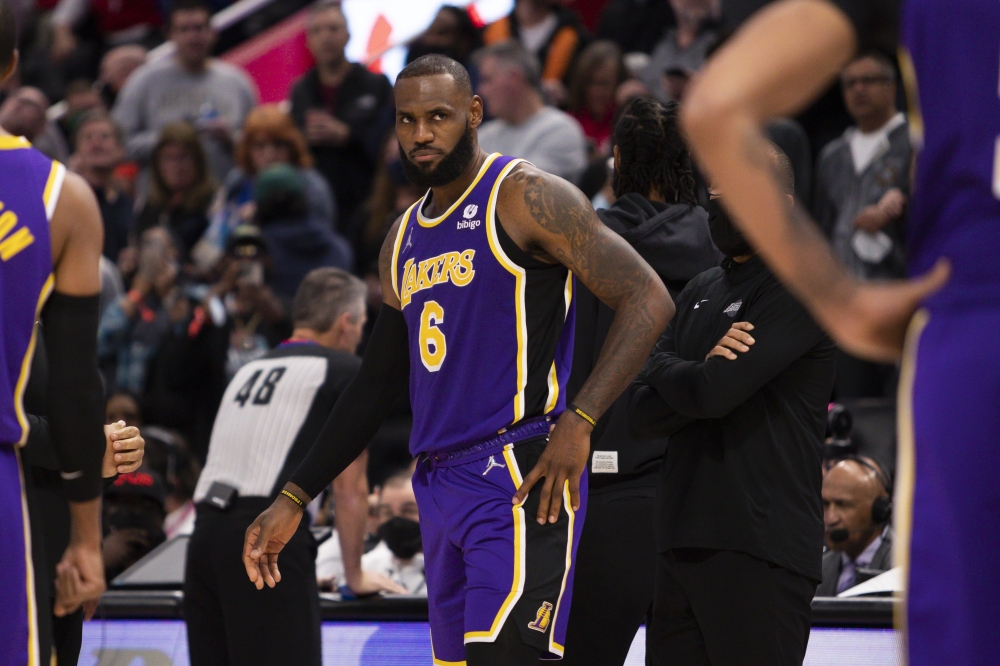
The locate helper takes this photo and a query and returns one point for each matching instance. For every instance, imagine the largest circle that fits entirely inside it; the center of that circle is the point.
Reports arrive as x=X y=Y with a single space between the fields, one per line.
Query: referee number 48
x=266 y=390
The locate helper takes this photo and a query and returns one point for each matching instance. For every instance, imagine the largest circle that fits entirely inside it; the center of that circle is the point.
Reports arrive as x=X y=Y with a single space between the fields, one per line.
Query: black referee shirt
x=743 y=464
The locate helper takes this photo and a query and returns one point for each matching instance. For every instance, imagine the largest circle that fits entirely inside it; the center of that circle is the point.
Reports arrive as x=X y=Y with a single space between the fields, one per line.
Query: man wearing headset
x=856 y=513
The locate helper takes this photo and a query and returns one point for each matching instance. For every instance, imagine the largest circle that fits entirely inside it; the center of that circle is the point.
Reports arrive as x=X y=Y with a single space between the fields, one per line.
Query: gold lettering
x=463 y=273
x=7 y=223
x=451 y=260
x=408 y=285
x=454 y=266
x=21 y=239
x=423 y=277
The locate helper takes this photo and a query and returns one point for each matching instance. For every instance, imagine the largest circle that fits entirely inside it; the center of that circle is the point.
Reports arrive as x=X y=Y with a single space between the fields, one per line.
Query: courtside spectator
x=856 y=511
x=596 y=76
x=133 y=519
x=523 y=126
x=399 y=553
x=189 y=86
x=547 y=30
x=862 y=186
x=269 y=137
x=342 y=109
x=683 y=48
x=181 y=188
x=296 y=242
x=99 y=150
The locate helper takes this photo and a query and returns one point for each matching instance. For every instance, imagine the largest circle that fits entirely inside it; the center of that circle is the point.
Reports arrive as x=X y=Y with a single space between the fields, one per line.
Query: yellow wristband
x=583 y=415
x=292 y=497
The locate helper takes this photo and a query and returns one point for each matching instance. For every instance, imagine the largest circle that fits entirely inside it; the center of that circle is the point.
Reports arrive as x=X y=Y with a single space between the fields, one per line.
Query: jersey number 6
x=432 y=343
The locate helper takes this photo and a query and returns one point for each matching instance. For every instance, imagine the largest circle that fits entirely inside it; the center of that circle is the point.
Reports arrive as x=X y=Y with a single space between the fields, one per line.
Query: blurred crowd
x=215 y=206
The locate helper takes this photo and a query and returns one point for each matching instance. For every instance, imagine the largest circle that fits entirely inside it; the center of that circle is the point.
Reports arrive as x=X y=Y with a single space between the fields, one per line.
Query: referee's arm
x=354 y=420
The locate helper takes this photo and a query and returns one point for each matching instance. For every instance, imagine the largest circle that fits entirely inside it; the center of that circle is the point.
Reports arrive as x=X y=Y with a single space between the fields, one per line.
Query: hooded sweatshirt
x=297 y=246
x=675 y=241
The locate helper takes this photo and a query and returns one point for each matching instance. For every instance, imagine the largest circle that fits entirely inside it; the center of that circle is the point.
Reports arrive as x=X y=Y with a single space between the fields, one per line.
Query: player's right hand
x=79 y=577
x=265 y=538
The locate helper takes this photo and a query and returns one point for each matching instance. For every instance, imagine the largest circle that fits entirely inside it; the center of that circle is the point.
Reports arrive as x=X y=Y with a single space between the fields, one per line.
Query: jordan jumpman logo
x=491 y=464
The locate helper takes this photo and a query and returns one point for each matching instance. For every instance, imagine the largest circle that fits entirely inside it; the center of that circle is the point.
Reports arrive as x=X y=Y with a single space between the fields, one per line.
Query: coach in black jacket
x=655 y=212
x=739 y=521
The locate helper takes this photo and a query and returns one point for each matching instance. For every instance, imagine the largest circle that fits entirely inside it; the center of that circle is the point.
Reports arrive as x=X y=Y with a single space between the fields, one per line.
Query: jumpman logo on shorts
x=491 y=464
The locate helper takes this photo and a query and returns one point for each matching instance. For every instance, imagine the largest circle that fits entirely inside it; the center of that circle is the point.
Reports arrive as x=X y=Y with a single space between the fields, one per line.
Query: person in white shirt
x=862 y=187
x=523 y=126
x=398 y=554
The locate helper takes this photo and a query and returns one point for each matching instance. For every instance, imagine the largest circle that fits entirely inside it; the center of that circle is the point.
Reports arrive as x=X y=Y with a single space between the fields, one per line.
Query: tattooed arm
x=552 y=220
x=779 y=61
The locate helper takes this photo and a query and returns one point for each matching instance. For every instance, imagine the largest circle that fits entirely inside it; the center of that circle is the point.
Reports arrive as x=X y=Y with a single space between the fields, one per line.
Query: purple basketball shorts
x=18 y=631
x=488 y=561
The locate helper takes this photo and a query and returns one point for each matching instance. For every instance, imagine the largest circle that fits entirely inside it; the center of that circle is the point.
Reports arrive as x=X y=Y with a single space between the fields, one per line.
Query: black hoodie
x=674 y=240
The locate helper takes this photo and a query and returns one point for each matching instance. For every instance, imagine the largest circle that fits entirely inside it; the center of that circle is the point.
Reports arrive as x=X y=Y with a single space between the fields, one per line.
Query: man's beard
x=451 y=166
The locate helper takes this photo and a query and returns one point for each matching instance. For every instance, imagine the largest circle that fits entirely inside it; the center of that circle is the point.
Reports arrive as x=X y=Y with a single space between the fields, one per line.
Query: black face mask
x=402 y=535
x=725 y=235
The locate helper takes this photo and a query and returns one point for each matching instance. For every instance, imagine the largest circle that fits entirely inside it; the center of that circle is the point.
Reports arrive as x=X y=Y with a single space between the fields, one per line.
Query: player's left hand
x=874 y=321
x=562 y=463
x=124 y=450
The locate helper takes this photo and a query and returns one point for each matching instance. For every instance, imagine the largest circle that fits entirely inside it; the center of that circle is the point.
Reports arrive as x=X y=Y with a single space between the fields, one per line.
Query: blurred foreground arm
x=782 y=59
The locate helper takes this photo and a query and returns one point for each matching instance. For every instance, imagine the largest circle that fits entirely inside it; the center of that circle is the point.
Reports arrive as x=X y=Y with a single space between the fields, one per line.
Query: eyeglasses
x=866 y=81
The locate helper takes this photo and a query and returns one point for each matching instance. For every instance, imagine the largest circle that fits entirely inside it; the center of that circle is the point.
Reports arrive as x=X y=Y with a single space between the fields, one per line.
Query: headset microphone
x=839 y=535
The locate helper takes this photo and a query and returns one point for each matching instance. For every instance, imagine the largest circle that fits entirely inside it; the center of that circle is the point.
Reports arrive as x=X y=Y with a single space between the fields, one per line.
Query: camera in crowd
x=838 y=444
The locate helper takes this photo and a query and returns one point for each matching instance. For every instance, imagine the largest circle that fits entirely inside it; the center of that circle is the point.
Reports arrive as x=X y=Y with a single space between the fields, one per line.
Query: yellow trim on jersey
x=909 y=75
x=425 y=222
x=10 y=142
x=906 y=465
x=53 y=188
x=22 y=379
x=29 y=575
x=519 y=289
x=556 y=648
x=550 y=404
x=441 y=662
x=395 y=249
x=517 y=586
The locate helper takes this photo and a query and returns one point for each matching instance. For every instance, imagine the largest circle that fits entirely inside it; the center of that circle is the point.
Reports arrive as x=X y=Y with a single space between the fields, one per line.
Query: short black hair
x=783 y=169
x=8 y=35
x=887 y=64
x=189 y=6
x=652 y=154
x=435 y=65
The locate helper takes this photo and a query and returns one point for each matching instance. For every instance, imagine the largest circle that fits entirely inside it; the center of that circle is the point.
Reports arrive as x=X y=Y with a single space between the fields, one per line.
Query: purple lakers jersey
x=956 y=211
x=29 y=189
x=490 y=328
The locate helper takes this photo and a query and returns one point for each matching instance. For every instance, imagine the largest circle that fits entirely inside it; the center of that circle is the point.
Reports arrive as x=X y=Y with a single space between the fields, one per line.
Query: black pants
x=612 y=589
x=228 y=620
x=724 y=608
